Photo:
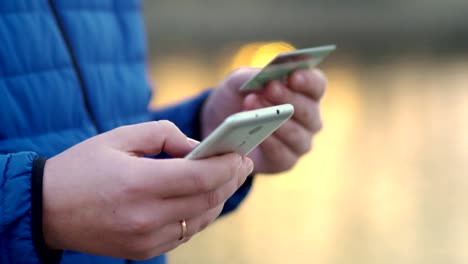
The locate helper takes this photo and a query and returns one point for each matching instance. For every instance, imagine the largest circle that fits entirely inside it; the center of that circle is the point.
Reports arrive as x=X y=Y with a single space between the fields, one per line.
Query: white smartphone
x=285 y=63
x=242 y=132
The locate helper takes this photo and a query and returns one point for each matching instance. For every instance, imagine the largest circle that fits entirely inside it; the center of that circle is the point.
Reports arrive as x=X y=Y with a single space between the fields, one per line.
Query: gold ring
x=183 y=227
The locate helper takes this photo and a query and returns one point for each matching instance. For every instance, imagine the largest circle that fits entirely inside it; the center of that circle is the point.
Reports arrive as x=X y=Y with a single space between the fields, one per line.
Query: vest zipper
x=76 y=67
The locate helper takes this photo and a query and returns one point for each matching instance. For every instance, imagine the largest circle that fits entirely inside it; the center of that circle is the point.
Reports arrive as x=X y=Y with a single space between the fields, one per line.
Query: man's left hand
x=281 y=151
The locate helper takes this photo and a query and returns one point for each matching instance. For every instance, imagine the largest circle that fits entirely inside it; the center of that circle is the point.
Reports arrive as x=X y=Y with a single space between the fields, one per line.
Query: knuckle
x=131 y=186
x=213 y=198
x=139 y=224
x=317 y=126
x=311 y=145
x=117 y=132
x=287 y=165
x=305 y=115
x=294 y=133
x=319 y=80
x=200 y=182
x=321 y=77
x=310 y=117
x=301 y=143
x=307 y=147
x=166 y=125
x=275 y=151
x=205 y=223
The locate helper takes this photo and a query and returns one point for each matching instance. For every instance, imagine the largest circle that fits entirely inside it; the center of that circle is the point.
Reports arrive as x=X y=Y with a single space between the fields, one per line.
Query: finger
x=306 y=111
x=172 y=233
x=157 y=239
x=295 y=137
x=306 y=116
x=181 y=177
x=255 y=101
x=250 y=102
x=151 y=138
x=278 y=155
x=190 y=206
x=311 y=83
x=197 y=224
x=292 y=134
x=152 y=243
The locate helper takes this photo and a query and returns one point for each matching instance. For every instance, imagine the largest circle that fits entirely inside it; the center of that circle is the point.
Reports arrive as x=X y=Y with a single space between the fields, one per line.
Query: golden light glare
x=385 y=180
x=258 y=54
x=197 y=74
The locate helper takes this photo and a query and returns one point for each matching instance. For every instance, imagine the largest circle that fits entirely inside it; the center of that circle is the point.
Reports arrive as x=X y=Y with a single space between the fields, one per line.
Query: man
x=75 y=186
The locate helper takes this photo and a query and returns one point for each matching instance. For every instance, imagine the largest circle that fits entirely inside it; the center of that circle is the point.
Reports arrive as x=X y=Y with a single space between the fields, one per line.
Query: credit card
x=285 y=63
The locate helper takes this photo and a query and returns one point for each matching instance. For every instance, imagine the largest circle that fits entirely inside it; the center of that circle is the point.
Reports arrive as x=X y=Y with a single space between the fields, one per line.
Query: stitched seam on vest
x=37 y=72
x=91 y=10
x=69 y=67
x=42 y=134
x=21 y=12
x=42 y=9
x=130 y=9
x=127 y=119
x=102 y=9
x=116 y=63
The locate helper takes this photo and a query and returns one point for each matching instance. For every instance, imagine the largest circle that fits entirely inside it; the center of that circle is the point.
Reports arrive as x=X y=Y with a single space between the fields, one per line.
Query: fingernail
x=249 y=164
x=193 y=142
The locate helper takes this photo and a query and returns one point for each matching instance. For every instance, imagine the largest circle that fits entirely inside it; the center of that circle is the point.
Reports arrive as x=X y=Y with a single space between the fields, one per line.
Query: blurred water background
x=387 y=181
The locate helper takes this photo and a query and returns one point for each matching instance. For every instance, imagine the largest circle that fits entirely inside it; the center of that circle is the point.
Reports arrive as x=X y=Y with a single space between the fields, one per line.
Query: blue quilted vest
x=69 y=69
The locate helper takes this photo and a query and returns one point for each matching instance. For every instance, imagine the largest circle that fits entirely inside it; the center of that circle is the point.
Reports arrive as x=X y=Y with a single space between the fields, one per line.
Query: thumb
x=152 y=138
x=238 y=77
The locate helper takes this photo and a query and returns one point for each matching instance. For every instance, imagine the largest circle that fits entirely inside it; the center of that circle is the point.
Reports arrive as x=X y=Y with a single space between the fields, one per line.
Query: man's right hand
x=103 y=197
